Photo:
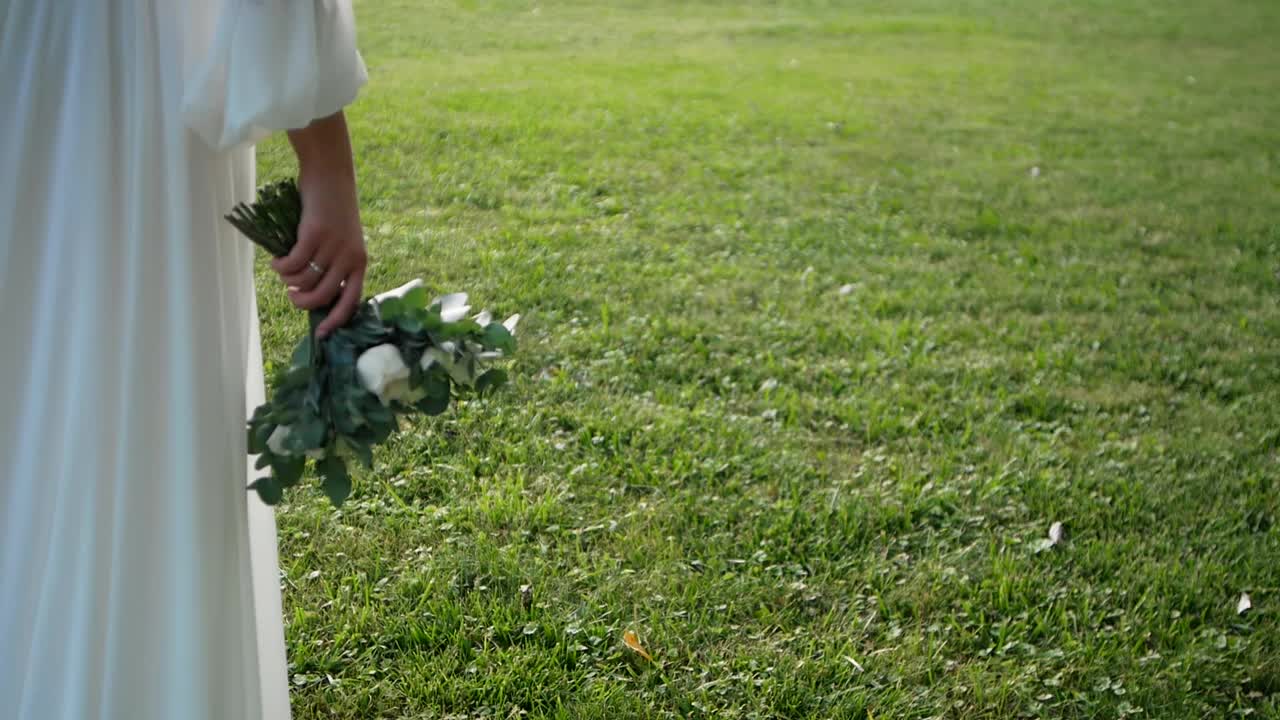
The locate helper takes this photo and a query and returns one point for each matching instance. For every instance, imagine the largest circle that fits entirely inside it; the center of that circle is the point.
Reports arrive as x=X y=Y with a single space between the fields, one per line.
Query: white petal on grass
x=1047 y=543
x=848 y=289
x=484 y=318
x=1055 y=534
x=1035 y=171
x=1245 y=604
x=511 y=323
x=769 y=385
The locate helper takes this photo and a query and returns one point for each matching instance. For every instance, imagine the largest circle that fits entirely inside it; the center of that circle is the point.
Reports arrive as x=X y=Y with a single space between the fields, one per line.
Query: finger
x=323 y=293
x=346 y=306
x=303 y=252
x=306 y=280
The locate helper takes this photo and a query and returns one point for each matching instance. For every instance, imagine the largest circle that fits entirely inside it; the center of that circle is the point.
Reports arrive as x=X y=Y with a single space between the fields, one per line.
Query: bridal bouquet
x=401 y=354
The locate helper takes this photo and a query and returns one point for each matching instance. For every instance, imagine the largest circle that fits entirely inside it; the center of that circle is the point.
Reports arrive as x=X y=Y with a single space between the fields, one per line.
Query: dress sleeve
x=272 y=65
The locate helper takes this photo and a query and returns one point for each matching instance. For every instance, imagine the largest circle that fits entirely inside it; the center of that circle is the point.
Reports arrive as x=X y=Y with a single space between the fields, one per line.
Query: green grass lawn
x=832 y=308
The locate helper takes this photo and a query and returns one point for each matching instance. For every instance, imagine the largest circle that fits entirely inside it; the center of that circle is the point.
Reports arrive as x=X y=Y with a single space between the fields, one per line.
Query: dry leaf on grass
x=633 y=643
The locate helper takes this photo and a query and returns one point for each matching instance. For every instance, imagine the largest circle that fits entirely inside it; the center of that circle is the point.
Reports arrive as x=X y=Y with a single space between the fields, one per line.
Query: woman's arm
x=327 y=266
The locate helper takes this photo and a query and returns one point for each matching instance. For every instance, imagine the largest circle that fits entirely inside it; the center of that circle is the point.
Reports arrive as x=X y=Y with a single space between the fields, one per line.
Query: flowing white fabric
x=138 y=578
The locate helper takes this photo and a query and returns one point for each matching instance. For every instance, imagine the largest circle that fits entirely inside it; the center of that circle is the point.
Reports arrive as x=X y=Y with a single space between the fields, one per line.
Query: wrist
x=325 y=174
x=323 y=149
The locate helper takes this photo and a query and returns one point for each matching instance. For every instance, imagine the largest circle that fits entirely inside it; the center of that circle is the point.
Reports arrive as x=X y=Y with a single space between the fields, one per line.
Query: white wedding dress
x=138 y=578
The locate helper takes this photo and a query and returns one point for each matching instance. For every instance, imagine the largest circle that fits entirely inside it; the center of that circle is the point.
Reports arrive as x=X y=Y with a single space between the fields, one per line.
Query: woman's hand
x=326 y=268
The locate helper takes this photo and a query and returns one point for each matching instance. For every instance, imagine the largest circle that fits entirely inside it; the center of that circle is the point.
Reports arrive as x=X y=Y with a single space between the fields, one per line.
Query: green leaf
x=376 y=413
x=391 y=309
x=381 y=432
x=309 y=434
x=436 y=383
x=491 y=381
x=294 y=378
x=363 y=452
x=497 y=337
x=302 y=353
x=258 y=434
x=433 y=405
x=260 y=414
x=337 y=481
x=288 y=471
x=416 y=298
x=315 y=392
x=411 y=322
x=268 y=490
x=347 y=417
x=453 y=331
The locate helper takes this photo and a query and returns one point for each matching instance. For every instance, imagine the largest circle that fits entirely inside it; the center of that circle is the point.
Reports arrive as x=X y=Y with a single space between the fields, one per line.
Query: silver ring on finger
x=316 y=267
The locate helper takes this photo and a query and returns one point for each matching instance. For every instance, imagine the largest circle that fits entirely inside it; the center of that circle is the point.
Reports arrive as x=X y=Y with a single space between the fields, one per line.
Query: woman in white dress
x=138 y=578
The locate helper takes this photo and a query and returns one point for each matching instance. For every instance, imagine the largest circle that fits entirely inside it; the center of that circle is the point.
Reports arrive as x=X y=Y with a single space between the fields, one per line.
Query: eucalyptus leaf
x=365 y=435
x=258 y=434
x=412 y=323
x=268 y=490
x=417 y=298
x=337 y=481
x=490 y=381
x=363 y=452
x=377 y=413
x=436 y=384
x=433 y=405
x=346 y=419
x=391 y=309
x=302 y=353
x=288 y=471
x=498 y=337
x=308 y=434
x=380 y=432
x=455 y=331
x=296 y=377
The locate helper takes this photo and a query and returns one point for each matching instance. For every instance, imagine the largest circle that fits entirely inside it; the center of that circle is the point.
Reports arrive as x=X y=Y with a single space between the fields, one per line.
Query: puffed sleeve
x=272 y=65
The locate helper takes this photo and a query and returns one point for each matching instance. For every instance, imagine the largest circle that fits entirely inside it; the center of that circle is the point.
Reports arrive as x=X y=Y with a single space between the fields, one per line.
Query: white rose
x=382 y=372
x=453 y=307
x=280 y=436
x=398 y=292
